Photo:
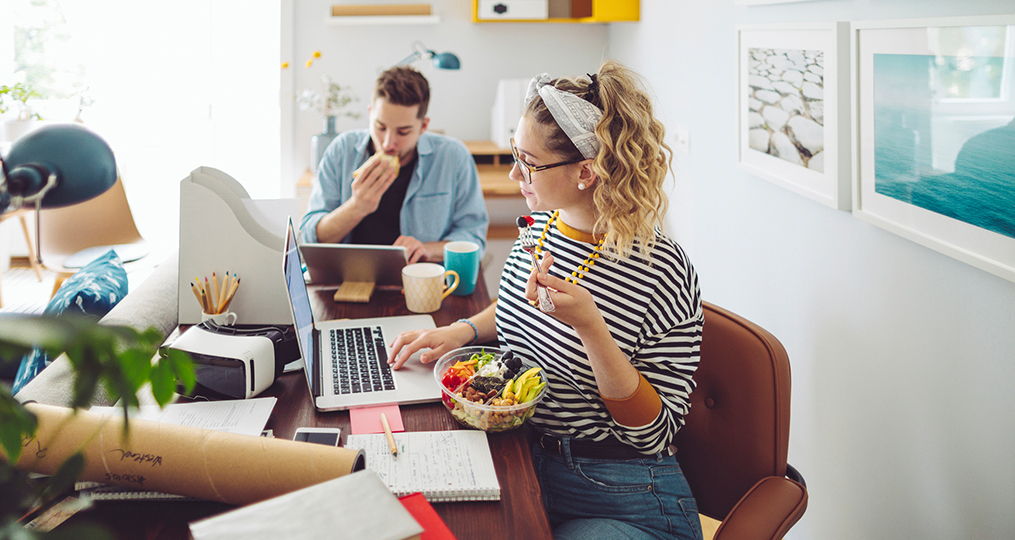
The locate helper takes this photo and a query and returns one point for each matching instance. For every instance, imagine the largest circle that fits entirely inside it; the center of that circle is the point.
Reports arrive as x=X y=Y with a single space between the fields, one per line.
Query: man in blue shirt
x=434 y=193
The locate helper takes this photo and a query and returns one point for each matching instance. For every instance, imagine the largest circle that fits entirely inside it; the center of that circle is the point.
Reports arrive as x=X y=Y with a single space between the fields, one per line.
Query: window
x=170 y=86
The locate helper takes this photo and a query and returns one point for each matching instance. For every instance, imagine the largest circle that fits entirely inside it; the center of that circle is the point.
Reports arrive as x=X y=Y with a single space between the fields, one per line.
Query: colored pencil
x=232 y=293
x=214 y=293
x=222 y=293
x=207 y=294
x=197 y=294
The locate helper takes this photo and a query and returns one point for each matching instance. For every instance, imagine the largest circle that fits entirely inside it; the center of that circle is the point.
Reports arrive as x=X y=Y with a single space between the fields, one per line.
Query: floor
x=21 y=290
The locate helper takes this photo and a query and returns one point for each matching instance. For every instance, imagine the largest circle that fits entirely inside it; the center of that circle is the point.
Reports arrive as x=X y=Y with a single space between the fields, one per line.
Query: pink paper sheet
x=368 y=419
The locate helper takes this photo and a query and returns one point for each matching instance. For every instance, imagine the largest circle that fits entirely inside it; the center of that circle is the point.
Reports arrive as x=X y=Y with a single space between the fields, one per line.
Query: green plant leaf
x=17 y=491
x=30 y=331
x=183 y=368
x=163 y=383
x=77 y=532
x=84 y=387
x=65 y=476
x=17 y=425
x=119 y=357
x=136 y=366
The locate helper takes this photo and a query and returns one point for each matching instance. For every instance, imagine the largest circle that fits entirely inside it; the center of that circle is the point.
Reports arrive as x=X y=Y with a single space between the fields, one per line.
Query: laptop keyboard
x=360 y=361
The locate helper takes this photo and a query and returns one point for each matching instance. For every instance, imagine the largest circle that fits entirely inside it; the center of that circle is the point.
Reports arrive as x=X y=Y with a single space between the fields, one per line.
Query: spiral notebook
x=442 y=465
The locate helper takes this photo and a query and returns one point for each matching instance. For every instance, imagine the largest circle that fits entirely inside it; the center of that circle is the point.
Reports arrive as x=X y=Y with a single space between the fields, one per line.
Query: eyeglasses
x=527 y=169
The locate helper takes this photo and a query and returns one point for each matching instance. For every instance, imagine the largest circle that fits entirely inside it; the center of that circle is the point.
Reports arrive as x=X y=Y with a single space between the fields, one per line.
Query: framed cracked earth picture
x=934 y=160
x=793 y=108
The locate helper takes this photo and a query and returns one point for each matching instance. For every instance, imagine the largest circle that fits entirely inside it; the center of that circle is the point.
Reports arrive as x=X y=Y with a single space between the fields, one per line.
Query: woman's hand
x=574 y=303
x=438 y=340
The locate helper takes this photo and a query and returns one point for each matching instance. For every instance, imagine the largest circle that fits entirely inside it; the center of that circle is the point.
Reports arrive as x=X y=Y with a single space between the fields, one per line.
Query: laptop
x=336 y=263
x=346 y=361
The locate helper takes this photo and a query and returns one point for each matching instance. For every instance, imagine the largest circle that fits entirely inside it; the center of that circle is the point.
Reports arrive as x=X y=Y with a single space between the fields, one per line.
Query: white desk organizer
x=222 y=229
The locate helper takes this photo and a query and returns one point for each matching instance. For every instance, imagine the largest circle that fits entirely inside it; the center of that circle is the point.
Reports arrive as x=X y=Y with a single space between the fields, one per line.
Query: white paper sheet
x=243 y=416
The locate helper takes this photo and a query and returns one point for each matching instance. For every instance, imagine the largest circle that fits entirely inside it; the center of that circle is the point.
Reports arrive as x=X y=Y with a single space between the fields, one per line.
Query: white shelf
x=382 y=20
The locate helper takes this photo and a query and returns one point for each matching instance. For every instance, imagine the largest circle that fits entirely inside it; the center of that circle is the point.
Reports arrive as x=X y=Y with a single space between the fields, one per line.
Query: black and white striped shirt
x=653 y=312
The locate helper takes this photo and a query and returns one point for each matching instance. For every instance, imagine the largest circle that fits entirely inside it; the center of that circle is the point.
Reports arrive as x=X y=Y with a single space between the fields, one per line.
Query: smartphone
x=319 y=435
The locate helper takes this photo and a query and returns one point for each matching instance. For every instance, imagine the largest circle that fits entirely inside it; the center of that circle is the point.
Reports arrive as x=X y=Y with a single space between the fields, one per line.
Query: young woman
x=621 y=340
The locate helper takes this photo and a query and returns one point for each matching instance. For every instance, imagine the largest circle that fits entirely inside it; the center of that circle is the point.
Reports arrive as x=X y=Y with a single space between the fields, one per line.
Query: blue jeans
x=609 y=499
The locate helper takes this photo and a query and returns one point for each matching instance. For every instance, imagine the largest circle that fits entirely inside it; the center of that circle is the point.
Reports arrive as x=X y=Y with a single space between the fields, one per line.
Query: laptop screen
x=303 y=315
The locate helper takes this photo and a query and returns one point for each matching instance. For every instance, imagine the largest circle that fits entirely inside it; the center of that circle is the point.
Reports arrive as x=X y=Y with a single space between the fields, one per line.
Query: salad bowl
x=489 y=389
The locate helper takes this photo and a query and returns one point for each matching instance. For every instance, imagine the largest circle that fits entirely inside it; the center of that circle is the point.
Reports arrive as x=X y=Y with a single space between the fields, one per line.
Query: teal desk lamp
x=444 y=60
x=55 y=166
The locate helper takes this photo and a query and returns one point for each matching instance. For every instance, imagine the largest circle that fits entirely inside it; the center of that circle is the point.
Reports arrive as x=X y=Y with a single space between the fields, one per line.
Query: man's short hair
x=404 y=86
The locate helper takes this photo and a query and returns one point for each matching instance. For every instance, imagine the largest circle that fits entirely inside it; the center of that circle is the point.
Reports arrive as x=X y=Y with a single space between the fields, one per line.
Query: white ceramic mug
x=226 y=318
x=425 y=287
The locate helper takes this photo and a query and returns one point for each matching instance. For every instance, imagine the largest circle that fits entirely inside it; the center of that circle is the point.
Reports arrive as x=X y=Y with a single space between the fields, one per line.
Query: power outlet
x=682 y=140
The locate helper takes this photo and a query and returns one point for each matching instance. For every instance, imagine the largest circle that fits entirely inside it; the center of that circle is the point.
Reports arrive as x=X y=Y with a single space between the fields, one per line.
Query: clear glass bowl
x=476 y=415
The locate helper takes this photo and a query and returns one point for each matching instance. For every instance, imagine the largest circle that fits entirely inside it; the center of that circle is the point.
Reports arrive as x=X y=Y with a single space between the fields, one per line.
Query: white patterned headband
x=574 y=115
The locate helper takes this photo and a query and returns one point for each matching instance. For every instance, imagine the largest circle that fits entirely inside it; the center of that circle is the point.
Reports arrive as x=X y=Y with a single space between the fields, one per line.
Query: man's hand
x=373 y=181
x=415 y=250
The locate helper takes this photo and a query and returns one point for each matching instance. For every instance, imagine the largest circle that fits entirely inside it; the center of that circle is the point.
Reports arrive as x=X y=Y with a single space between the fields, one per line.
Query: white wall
x=460 y=100
x=903 y=358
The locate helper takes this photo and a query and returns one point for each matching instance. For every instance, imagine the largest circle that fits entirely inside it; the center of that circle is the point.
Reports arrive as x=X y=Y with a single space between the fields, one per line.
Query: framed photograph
x=793 y=108
x=934 y=159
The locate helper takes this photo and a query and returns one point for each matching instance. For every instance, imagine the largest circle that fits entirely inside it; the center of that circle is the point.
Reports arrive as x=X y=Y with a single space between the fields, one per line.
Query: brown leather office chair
x=102 y=222
x=733 y=446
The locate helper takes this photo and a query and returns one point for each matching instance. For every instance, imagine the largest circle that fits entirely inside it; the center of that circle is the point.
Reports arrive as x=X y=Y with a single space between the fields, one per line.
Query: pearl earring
x=581 y=185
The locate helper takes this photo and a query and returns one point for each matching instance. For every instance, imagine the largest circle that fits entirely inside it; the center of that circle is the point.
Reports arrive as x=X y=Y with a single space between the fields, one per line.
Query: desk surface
x=519 y=513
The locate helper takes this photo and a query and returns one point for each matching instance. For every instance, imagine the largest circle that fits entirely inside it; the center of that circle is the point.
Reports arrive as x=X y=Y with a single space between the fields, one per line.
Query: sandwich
x=392 y=160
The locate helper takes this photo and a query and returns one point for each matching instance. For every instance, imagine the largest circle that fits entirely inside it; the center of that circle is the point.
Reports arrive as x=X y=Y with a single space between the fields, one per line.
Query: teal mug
x=463 y=258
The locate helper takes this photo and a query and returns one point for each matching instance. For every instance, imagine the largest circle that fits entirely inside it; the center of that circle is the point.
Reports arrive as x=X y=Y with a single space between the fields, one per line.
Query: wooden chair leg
x=31 y=249
x=60 y=278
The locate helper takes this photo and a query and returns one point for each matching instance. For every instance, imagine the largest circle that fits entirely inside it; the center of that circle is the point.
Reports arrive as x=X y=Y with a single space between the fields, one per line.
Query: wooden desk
x=519 y=513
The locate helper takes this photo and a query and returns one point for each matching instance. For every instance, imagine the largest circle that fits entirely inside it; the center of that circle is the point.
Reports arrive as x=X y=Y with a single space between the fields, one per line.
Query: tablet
x=332 y=264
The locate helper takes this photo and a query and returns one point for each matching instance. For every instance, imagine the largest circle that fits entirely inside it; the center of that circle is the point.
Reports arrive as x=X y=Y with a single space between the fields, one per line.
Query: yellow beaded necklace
x=583 y=267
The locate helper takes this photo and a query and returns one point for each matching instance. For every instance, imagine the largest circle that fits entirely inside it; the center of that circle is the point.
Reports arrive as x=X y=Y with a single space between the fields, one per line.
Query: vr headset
x=238 y=362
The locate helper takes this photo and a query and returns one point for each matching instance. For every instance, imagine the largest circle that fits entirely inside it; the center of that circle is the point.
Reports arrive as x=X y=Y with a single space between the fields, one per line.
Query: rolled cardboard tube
x=181 y=460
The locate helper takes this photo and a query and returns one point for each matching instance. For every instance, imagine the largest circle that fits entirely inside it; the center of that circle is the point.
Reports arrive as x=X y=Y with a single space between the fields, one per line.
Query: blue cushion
x=91 y=291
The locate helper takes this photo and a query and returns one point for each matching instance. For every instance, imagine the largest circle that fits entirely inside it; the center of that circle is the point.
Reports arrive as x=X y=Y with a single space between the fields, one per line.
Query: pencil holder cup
x=425 y=287
x=226 y=318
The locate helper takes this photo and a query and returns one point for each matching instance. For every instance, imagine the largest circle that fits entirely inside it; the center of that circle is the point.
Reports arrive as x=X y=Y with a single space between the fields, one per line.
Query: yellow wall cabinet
x=555 y=11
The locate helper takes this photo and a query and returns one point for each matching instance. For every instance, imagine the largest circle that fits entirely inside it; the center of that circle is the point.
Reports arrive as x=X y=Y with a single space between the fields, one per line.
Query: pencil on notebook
x=387 y=433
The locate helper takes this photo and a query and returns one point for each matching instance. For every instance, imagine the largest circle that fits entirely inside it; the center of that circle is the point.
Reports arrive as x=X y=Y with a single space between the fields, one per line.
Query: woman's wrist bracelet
x=475 y=330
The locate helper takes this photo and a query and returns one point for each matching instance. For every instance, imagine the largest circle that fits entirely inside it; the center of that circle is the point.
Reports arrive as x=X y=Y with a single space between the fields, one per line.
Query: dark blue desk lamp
x=55 y=166
x=444 y=60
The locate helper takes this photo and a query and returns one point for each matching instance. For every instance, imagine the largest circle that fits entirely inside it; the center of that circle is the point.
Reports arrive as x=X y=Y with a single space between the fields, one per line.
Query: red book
x=433 y=526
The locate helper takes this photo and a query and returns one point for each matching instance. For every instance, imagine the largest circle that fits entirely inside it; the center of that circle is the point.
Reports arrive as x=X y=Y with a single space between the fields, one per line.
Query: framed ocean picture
x=793 y=108
x=934 y=159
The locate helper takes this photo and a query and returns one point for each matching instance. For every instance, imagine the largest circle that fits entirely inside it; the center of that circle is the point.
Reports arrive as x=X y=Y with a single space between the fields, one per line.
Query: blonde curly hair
x=633 y=158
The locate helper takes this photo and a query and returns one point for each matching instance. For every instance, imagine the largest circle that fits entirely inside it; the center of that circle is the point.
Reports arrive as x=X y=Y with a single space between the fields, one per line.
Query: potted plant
x=118 y=358
x=16 y=98
x=331 y=102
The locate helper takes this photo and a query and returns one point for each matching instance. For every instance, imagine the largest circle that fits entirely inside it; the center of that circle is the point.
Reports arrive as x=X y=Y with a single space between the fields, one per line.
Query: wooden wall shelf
x=380 y=14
